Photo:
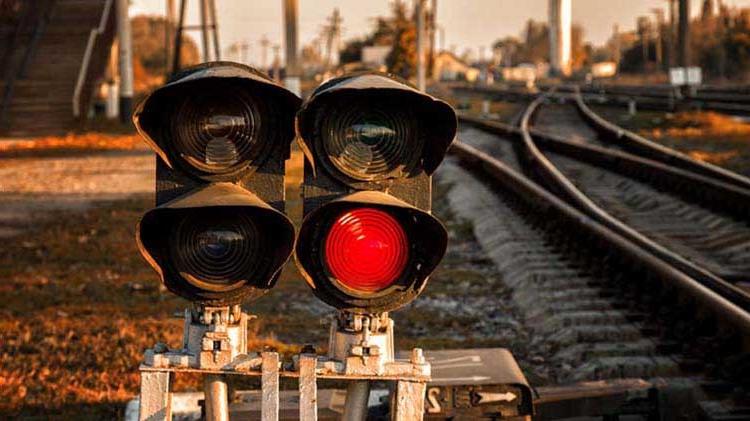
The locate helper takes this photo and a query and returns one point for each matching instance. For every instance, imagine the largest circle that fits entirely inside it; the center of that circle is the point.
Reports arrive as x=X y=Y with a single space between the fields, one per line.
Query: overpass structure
x=53 y=56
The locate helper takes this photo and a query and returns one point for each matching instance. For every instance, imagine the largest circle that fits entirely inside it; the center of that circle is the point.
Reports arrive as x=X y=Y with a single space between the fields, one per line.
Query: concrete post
x=421 y=68
x=292 y=78
x=125 y=61
x=216 y=397
x=560 y=21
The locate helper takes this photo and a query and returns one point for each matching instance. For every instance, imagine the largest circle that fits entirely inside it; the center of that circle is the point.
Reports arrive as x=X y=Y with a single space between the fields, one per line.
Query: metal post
x=617 y=54
x=214 y=29
x=112 y=106
x=357 y=395
x=632 y=108
x=269 y=410
x=178 y=39
x=421 y=70
x=408 y=403
x=433 y=38
x=125 y=60
x=216 y=397
x=308 y=388
x=204 y=29
x=292 y=78
x=560 y=15
x=264 y=43
x=659 y=14
x=168 y=35
x=684 y=33
x=155 y=402
x=670 y=35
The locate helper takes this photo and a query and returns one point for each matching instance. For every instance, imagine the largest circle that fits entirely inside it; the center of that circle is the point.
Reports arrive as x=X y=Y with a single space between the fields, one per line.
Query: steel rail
x=551 y=175
x=730 y=198
x=654 y=150
x=546 y=202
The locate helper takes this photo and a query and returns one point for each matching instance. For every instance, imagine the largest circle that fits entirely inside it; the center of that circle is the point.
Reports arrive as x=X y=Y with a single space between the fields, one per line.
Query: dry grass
x=699 y=124
x=707 y=136
x=70 y=144
x=80 y=306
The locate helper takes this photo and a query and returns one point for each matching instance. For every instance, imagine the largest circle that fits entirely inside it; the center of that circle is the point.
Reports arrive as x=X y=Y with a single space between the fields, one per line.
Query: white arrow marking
x=472 y=358
x=445 y=367
x=461 y=379
x=485 y=397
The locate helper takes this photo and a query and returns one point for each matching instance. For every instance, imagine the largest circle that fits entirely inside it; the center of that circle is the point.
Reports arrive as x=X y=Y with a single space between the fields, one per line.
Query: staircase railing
x=12 y=12
x=94 y=60
x=35 y=16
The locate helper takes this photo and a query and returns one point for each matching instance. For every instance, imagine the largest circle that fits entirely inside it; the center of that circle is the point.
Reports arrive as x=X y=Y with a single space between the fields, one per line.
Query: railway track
x=663 y=97
x=698 y=224
x=606 y=305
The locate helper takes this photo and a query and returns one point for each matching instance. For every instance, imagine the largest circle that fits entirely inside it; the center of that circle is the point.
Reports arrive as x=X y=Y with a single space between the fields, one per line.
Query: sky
x=467 y=23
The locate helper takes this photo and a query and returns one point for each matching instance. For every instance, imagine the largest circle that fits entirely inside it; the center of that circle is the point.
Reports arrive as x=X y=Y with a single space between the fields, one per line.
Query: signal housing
x=403 y=189
x=221 y=132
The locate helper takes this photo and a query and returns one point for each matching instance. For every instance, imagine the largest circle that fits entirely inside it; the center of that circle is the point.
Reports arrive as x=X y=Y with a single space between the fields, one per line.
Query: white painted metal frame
x=83 y=71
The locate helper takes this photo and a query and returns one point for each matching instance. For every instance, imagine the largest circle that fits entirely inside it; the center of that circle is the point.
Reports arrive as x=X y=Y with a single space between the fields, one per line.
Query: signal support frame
x=215 y=345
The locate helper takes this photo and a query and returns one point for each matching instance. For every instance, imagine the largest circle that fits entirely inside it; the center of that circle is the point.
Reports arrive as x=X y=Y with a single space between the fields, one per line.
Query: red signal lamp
x=366 y=249
x=369 y=252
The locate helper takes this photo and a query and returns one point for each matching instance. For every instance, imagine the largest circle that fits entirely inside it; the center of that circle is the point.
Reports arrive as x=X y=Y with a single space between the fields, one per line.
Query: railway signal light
x=368 y=242
x=222 y=132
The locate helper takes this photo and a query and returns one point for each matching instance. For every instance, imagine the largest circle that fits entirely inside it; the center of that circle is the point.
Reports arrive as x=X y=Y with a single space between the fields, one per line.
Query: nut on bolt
x=417 y=356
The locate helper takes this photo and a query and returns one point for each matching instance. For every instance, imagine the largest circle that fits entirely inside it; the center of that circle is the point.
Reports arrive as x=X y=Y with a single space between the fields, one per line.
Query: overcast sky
x=467 y=23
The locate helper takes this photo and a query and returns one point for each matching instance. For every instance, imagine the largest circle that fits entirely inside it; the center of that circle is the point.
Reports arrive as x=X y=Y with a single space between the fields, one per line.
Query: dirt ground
x=80 y=305
x=707 y=136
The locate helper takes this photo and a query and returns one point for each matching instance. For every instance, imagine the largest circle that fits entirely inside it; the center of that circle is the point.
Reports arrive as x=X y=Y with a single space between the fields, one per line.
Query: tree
x=352 y=51
x=402 y=59
x=148 y=45
x=383 y=33
x=509 y=49
x=580 y=50
x=536 y=47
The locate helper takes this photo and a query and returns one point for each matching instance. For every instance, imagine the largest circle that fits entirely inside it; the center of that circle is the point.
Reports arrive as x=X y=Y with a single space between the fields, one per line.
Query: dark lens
x=217 y=249
x=216 y=132
x=217 y=243
x=371 y=141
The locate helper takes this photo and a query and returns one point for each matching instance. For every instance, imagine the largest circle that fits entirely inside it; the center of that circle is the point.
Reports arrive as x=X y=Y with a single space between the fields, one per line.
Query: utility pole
x=125 y=60
x=204 y=33
x=560 y=21
x=292 y=78
x=244 y=50
x=277 y=63
x=215 y=28
x=671 y=34
x=264 y=44
x=432 y=36
x=208 y=22
x=421 y=71
x=168 y=35
x=617 y=46
x=684 y=33
x=441 y=29
x=643 y=32
x=659 y=14
x=332 y=32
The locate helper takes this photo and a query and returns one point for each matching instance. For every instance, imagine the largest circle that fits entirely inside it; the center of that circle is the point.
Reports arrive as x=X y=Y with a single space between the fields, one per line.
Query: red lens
x=366 y=249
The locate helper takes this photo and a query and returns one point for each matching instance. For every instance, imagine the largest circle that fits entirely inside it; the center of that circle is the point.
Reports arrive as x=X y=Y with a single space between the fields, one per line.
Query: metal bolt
x=417 y=356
